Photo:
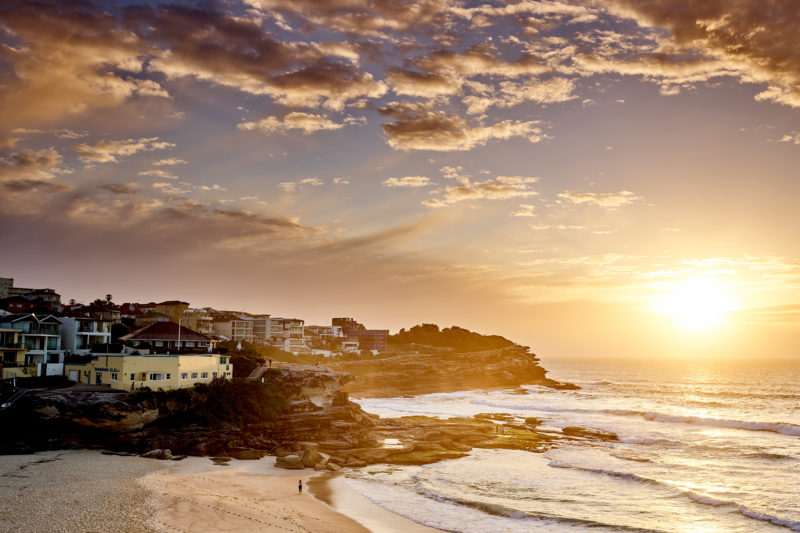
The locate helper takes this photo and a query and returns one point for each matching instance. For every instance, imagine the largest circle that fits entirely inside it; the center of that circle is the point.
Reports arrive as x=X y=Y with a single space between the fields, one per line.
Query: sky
x=586 y=177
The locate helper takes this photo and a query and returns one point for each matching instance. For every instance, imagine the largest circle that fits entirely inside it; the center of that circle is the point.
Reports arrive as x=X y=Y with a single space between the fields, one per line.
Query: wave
x=698 y=498
x=774 y=427
x=495 y=509
x=794 y=525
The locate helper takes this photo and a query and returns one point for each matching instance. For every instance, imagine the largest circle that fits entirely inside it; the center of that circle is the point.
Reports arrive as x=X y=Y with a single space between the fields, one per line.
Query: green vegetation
x=454 y=337
x=251 y=356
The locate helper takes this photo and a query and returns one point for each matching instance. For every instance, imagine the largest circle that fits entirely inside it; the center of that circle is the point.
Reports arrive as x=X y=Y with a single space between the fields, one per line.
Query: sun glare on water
x=698 y=304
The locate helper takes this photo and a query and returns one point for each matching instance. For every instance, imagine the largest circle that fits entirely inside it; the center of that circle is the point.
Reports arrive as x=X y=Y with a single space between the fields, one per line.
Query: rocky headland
x=299 y=413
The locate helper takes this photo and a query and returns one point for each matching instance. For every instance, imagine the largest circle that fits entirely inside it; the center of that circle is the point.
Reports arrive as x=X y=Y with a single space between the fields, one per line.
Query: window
x=204 y=375
x=156 y=376
x=194 y=375
x=214 y=375
x=185 y=375
x=168 y=376
x=133 y=377
x=159 y=343
x=189 y=344
x=113 y=376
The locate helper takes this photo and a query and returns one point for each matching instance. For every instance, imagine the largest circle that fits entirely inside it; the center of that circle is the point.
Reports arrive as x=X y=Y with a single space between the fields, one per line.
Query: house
x=40 y=336
x=167 y=336
x=13 y=363
x=157 y=371
x=78 y=334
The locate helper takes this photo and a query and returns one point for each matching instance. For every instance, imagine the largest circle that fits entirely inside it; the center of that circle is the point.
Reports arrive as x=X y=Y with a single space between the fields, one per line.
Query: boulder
x=333 y=467
x=312 y=457
x=290 y=462
x=164 y=455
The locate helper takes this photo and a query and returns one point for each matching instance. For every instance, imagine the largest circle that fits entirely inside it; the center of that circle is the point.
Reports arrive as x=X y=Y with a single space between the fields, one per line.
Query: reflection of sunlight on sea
x=699 y=451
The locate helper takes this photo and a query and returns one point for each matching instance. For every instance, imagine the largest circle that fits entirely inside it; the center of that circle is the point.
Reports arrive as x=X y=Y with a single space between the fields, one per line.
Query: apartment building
x=78 y=334
x=40 y=336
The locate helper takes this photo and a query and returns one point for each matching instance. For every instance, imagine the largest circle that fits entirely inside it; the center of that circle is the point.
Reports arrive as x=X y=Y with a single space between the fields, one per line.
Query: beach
x=89 y=491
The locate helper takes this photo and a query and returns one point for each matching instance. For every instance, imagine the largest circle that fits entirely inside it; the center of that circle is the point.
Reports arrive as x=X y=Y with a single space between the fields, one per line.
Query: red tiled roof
x=164 y=331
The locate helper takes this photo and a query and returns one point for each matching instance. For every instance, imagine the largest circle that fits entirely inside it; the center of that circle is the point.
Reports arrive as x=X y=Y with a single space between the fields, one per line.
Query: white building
x=41 y=337
x=79 y=334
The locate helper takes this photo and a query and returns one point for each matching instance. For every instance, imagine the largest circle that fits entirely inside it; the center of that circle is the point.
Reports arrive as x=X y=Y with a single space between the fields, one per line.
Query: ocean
x=705 y=446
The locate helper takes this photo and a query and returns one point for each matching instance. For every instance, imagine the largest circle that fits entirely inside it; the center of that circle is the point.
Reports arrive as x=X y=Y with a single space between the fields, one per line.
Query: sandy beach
x=91 y=492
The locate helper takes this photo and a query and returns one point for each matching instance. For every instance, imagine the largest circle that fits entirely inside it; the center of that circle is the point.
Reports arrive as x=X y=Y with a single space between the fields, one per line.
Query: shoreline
x=198 y=496
x=330 y=489
x=87 y=490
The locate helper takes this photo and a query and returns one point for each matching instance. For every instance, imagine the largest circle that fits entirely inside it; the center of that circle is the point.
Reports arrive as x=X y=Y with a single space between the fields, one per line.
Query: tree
x=108 y=298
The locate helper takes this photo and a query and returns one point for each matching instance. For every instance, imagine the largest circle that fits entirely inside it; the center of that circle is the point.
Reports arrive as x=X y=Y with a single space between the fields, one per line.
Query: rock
x=333 y=467
x=312 y=457
x=164 y=455
x=248 y=454
x=290 y=462
x=281 y=452
x=321 y=466
x=335 y=445
x=355 y=463
x=598 y=434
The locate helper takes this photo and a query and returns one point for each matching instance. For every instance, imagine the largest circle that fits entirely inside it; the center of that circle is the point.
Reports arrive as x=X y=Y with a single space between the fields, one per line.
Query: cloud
x=408 y=181
x=499 y=188
x=427 y=85
x=793 y=138
x=30 y=164
x=341 y=181
x=171 y=161
x=307 y=123
x=108 y=151
x=526 y=210
x=510 y=93
x=753 y=43
x=610 y=200
x=162 y=174
x=120 y=188
x=442 y=132
x=292 y=186
x=66 y=58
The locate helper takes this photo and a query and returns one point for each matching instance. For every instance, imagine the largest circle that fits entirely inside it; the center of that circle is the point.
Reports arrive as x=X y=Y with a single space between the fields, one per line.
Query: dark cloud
x=443 y=132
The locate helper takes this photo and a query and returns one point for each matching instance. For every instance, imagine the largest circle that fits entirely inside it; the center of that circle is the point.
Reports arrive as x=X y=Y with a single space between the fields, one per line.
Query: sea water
x=705 y=446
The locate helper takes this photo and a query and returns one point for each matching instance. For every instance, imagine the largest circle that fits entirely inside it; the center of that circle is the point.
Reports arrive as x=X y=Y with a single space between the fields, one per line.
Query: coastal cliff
x=429 y=369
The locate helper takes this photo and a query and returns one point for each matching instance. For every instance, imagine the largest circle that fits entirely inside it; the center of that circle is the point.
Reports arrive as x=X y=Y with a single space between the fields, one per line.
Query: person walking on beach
x=300 y=486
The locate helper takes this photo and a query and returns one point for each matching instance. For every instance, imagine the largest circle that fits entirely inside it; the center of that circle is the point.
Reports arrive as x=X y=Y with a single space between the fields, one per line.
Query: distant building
x=40 y=336
x=166 y=372
x=368 y=339
x=288 y=335
x=78 y=334
x=163 y=336
x=13 y=363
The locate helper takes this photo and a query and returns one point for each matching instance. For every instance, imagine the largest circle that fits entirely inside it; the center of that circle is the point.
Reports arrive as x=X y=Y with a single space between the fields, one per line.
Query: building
x=80 y=333
x=238 y=329
x=167 y=336
x=12 y=356
x=5 y=287
x=160 y=371
x=197 y=320
x=41 y=338
x=288 y=335
x=262 y=329
x=368 y=339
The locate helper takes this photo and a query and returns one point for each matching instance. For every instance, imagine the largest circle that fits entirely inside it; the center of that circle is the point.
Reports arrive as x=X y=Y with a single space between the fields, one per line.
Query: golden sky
x=589 y=178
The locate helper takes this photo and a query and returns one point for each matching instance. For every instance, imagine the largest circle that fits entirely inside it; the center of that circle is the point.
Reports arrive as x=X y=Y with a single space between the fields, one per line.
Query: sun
x=697 y=303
